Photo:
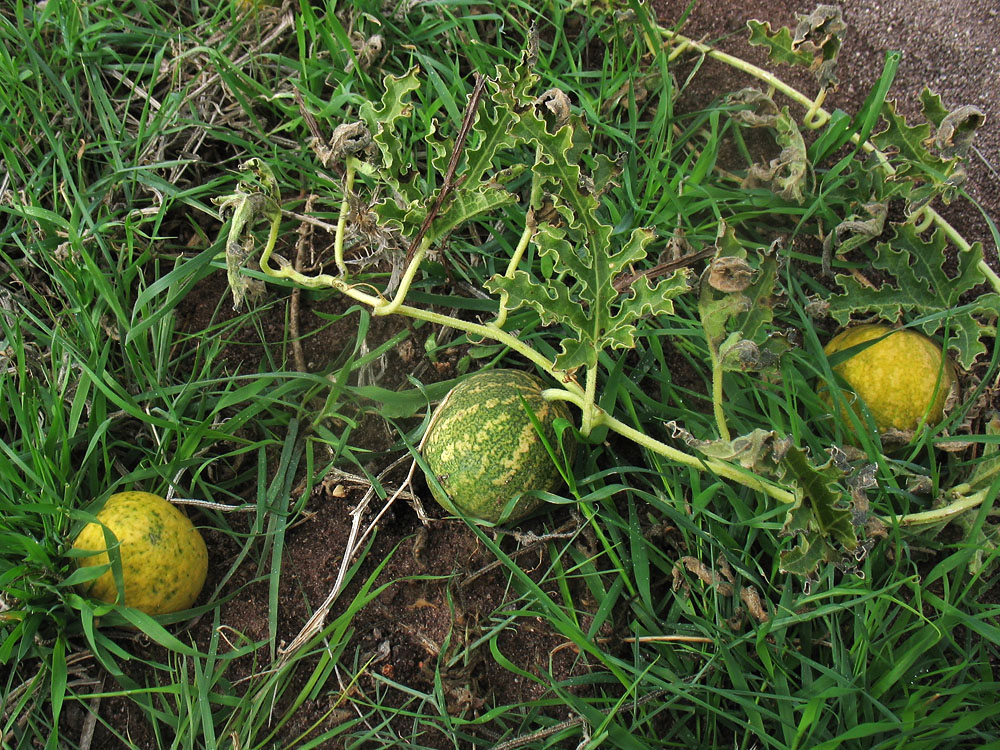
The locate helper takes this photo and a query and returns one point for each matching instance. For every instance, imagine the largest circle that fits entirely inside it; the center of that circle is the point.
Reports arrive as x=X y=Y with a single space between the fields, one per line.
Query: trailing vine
x=583 y=285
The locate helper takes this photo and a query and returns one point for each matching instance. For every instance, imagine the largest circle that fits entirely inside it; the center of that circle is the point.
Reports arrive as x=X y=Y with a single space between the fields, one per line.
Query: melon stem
x=700 y=463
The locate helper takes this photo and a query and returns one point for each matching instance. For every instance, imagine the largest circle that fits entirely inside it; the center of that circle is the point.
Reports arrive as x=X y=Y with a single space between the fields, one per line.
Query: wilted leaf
x=819 y=33
x=753 y=108
x=858 y=231
x=955 y=129
x=256 y=197
x=761 y=451
x=736 y=306
x=729 y=274
x=820 y=518
x=815 y=43
x=736 y=353
x=348 y=139
x=786 y=173
x=723 y=584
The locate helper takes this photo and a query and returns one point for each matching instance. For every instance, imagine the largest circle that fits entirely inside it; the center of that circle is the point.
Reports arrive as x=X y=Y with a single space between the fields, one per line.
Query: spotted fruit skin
x=896 y=377
x=164 y=558
x=484 y=450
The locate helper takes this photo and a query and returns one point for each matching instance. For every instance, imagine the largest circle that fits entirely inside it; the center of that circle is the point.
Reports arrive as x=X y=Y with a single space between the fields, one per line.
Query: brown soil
x=440 y=589
x=442 y=586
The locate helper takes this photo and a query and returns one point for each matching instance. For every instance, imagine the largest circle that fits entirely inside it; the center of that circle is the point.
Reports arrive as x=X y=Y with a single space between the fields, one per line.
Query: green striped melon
x=484 y=450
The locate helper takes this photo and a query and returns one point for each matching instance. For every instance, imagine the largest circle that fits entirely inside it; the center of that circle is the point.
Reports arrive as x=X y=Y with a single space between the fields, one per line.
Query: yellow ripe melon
x=904 y=378
x=164 y=559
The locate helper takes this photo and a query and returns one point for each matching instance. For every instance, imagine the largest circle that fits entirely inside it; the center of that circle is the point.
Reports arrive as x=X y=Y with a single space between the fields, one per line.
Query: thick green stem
x=588 y=406
x=720 y=468
x=946 y=513
x=718 y=394
x=345 y=208
x=388 y=308
x=380 y=306
x=490 y=331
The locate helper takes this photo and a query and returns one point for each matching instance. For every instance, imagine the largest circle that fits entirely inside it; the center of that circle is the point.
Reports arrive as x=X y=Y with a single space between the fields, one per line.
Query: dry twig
x=449 y=175
x=355 y=540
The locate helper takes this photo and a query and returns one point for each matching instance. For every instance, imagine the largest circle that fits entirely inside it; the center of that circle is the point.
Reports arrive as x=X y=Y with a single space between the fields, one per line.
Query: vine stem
x=582 y=398
x=945 y=513
x=816 y=117
x=718 y=394
x=388 y=308
x=721 y=468
x=345 y=207
x=811 y=105
x=380 y=306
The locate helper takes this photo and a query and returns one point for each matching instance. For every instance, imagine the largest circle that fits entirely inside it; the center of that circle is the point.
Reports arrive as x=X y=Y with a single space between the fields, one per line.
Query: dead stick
x=449 y=175
x=624 y=281
x=305 y=232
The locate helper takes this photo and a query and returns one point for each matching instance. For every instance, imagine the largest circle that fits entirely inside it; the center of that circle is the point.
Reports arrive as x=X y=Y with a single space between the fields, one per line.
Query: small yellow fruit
x=904 y=379
x=164 y=559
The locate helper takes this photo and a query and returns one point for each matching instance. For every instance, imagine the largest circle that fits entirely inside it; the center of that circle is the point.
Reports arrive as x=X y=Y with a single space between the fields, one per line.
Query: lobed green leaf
x=921 y=286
